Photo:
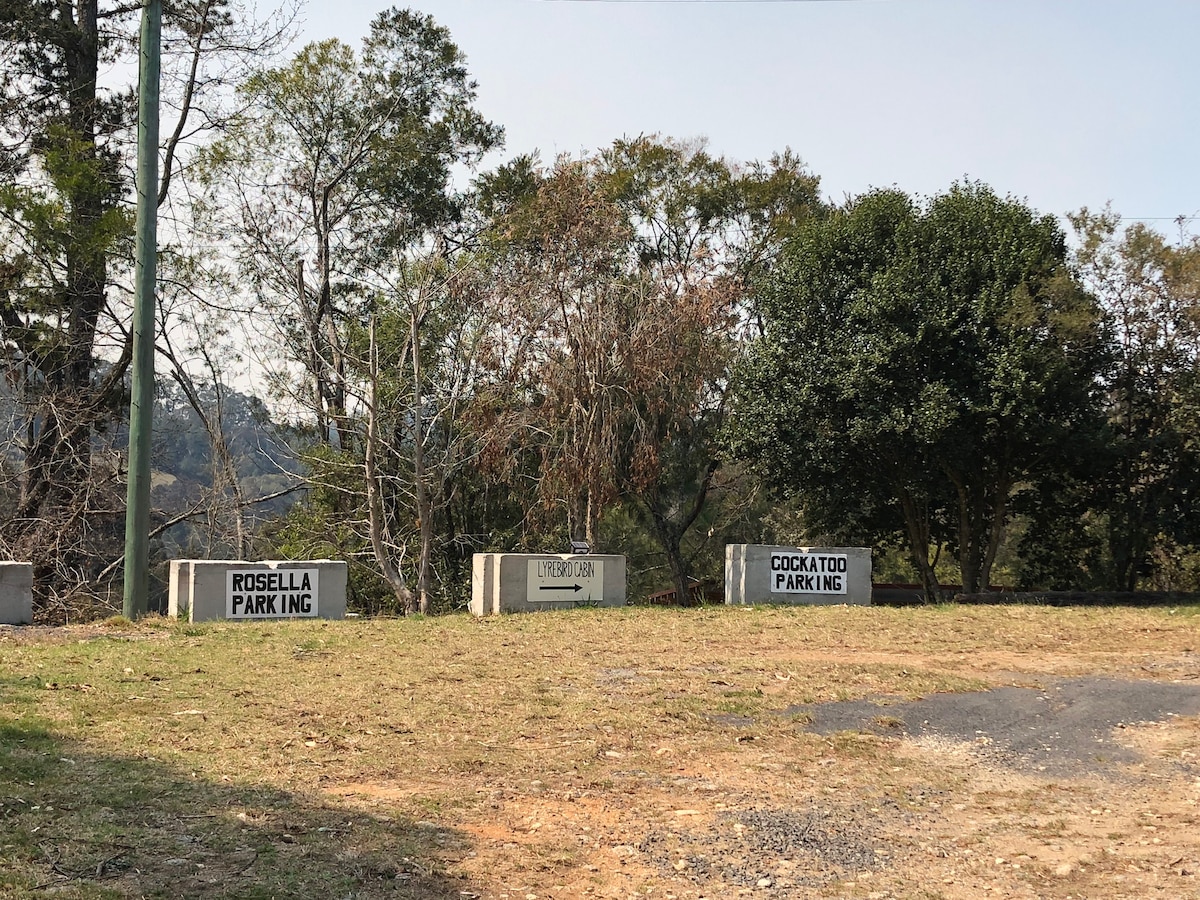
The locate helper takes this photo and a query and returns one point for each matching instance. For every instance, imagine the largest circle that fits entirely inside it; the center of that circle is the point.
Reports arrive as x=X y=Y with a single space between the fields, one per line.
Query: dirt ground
x=1042 y=787
x=676 y=760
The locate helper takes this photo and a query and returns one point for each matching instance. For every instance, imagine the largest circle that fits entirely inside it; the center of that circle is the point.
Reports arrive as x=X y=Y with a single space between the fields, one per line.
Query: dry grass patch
x=573 y=754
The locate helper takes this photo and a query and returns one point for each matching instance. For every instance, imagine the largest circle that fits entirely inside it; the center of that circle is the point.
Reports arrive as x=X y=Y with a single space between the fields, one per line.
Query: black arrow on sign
x=561 y=587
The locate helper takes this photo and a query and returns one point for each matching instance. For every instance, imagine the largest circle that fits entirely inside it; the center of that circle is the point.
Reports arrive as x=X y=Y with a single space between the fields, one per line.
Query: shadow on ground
x=79 y=824
x=1064 y=727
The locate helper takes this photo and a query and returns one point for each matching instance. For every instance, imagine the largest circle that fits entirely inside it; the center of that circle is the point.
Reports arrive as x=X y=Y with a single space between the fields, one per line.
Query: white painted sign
x=793 y=572
x=554 y=580
x=271 y=594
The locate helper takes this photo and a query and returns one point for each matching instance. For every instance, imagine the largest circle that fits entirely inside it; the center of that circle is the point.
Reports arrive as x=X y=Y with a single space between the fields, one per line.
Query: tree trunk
x=315 y=368
x=980 y=530
x=424 y=507
x=592 y=519
x=997 y=524
x=670 y=540
x=334 y=367
x=377 y=523
x=916 y=524
x=57 y=472
x=669 y=533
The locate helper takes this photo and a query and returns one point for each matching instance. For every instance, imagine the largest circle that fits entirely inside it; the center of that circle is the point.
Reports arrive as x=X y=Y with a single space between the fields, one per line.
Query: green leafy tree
x=919 y=367
x=1146 y=496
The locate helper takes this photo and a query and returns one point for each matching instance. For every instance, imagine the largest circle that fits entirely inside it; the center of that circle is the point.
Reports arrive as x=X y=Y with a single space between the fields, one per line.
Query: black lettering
x=293 y=604
x=842 y=564
x=236 y=600
x=235 y=581
x=306 y=601
x=271 y=605
x=304 y=583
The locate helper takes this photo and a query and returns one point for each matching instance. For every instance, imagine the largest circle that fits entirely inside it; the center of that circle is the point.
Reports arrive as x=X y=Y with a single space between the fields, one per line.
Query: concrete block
x=530 y=582
x=207 y=589
x=179 y=589
x=16 y=593
x=823 y=576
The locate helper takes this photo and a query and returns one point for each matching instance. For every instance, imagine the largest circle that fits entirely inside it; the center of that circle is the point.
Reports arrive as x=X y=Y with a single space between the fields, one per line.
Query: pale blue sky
x=1065 y=102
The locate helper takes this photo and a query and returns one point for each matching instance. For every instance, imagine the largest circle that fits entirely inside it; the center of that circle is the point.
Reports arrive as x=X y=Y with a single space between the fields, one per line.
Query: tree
x=919 y=367
x=704 y=230
x=623 y=277
x=562 y=266
x=1150 y=291
x=340 y=161
x=65 y=241
x=422 y=363
x=335 y=191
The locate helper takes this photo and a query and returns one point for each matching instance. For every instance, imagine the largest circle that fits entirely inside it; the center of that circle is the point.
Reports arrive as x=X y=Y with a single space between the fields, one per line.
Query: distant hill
x=183 y=461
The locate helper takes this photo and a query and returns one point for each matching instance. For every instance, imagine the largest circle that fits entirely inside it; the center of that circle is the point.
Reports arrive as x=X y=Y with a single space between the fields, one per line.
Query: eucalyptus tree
x=335 y=192
x=341 y=161
x=920 y=366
